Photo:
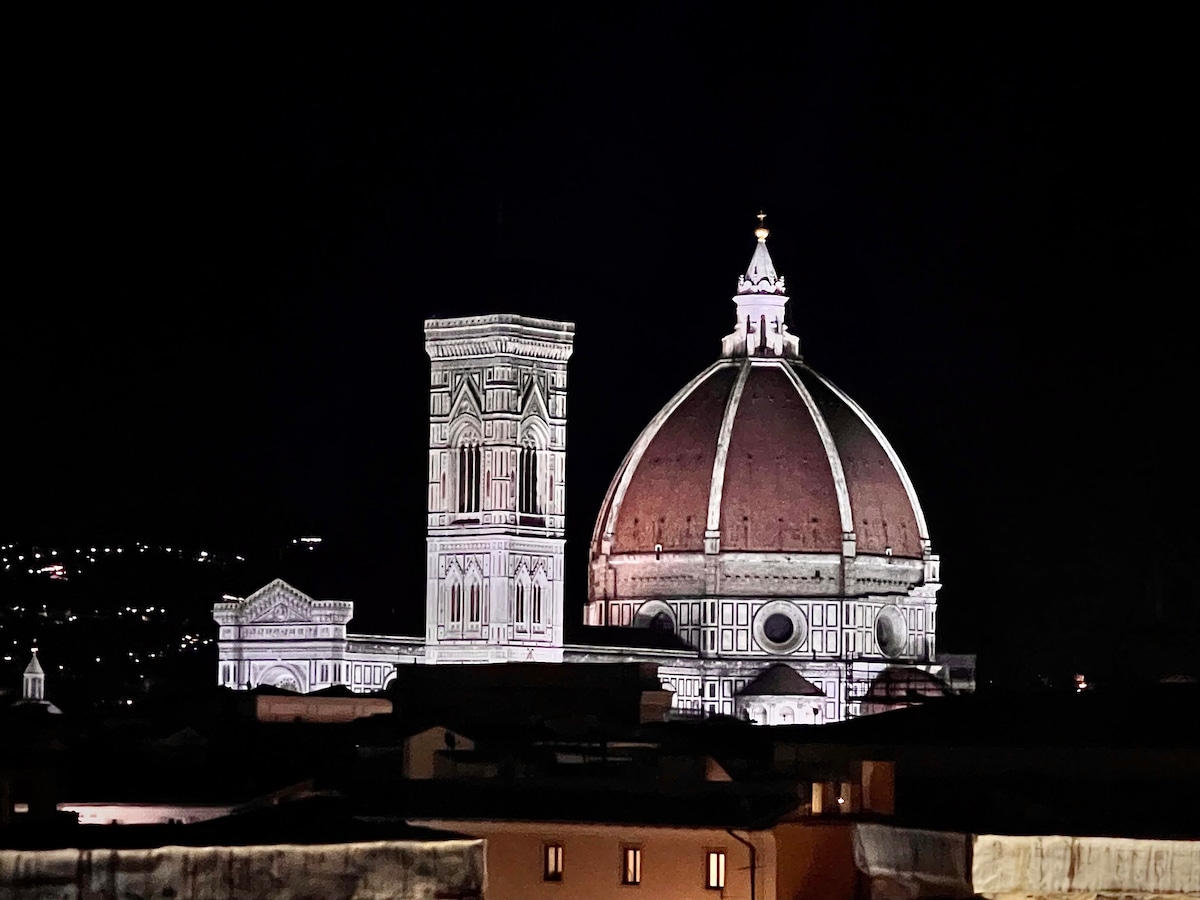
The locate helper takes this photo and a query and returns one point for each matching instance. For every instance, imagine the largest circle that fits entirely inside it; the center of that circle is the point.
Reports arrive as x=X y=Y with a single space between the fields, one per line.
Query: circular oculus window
x=780 y=627
x=891 y=631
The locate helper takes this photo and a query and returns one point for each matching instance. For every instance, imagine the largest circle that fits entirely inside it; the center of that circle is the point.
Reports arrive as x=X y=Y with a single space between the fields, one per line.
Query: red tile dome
x=759 y=454
x=760 y=448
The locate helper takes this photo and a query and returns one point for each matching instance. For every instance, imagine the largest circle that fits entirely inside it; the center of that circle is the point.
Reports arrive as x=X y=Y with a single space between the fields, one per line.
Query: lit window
x=631 y=871
x=715 y=870
x=553 y=863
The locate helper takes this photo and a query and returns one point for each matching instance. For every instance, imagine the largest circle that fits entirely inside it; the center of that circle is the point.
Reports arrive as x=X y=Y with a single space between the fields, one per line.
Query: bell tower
x=496 y=499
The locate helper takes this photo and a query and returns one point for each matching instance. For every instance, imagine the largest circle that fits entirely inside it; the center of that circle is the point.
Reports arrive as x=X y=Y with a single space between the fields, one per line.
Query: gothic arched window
x=519 y=606
x=456 y=603
x=537 y=603
x=470 y=458
x=527 y=480
x=476 y=605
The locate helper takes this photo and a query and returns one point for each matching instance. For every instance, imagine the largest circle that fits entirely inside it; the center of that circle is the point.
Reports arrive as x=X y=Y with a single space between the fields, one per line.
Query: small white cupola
x=761 y=301
x=33 y=683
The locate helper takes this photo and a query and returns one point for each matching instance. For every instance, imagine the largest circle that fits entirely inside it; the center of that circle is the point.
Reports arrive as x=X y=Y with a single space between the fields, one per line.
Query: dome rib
x=845 y=512
x=717 y=486
x=781 y=493
x=605 y=530
x=892 y=456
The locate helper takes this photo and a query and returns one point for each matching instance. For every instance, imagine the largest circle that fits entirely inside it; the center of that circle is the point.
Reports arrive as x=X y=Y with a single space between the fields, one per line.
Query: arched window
x=475 y=604
x=537 y=603
x=456 y=603
x=519 y=606
x=527 y=480
x=470 y=458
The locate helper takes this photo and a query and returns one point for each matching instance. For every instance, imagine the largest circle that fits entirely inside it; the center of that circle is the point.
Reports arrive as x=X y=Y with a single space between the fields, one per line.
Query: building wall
x=673 y=860
x=421 y=750
x=1053 y=865
x=829 y=628
x=816 y=861
x=404 y=870
x=302 y=708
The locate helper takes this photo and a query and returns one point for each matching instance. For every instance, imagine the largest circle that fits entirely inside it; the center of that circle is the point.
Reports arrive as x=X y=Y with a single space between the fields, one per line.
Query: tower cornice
x=467 y=346
x=469 y=337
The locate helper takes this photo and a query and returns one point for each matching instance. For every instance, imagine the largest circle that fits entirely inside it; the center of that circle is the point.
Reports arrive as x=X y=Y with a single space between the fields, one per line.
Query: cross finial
x=761 y=231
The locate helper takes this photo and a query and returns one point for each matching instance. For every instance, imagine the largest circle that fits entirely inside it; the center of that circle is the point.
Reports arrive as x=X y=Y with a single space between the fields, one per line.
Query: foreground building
x=761 y=518
x=305 y=849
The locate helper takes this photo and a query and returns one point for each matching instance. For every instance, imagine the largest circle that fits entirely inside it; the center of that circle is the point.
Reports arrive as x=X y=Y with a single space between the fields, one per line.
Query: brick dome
x=759 y=477
x=758 y=450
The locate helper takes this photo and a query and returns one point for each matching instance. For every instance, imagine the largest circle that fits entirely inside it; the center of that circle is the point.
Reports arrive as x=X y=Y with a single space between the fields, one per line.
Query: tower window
x=537 y=604
x=475 y=604
x=456 y=603
x=469 y=468
x=527 y=481
x=631 y=868
x=519 y=611
x=552 y=863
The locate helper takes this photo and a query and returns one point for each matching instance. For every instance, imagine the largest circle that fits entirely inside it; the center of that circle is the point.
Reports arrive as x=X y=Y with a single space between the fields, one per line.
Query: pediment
x=534 y=416
x=532 y=402
x=467 y=400
x=278 y=602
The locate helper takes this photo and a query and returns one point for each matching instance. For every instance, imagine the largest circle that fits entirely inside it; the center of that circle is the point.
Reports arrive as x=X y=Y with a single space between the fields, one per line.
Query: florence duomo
x=650 y=450
x=761 y=544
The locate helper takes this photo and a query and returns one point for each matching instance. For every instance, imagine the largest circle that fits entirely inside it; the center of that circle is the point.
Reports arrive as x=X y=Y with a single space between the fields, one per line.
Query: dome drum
x=879 y=629
x=667 y=575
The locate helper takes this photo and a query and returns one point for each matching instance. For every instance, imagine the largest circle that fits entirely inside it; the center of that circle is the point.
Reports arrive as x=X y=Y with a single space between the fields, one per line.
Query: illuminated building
x=761 y=518
x=33 y=681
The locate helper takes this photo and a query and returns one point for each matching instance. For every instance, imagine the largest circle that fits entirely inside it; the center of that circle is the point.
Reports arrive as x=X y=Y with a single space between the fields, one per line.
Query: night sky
x=225 y=232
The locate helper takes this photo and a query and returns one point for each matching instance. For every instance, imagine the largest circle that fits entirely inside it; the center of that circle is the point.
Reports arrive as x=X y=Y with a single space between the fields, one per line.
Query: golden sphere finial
x=761 y=231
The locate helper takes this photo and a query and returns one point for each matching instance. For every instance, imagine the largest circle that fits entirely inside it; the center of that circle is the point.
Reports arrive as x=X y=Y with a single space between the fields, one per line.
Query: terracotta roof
x=780 y=680
x=667 y=499
x=792 y=435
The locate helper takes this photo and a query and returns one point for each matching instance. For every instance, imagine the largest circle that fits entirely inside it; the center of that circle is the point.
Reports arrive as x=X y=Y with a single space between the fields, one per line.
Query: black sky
x=226 y=229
